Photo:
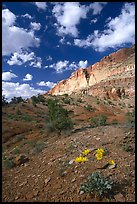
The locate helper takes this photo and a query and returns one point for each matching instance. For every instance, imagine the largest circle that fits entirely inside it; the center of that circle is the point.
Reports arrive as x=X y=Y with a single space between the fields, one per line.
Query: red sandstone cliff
x=111 y=71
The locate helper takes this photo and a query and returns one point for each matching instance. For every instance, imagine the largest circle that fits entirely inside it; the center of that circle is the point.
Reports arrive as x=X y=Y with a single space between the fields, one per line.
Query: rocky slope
x=112 y=77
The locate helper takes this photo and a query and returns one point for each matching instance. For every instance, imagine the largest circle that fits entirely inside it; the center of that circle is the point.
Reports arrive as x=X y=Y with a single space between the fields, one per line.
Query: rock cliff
x=114 y=73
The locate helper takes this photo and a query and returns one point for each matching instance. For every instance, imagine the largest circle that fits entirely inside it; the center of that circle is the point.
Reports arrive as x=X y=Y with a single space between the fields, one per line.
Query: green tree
x=58 y=117
x=16 y=100
x=34 y=100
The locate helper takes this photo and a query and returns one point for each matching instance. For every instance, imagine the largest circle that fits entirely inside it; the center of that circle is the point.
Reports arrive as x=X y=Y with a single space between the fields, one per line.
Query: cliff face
x=111 y=70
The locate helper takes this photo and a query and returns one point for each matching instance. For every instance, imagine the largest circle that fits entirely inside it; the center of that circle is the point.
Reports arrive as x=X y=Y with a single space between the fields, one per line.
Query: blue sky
x=43 y=43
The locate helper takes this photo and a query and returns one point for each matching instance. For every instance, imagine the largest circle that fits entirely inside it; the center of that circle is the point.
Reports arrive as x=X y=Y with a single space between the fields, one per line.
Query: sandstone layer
x=114 y=76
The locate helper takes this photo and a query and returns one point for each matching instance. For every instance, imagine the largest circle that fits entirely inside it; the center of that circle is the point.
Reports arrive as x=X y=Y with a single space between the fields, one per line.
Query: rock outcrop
x=116 y=71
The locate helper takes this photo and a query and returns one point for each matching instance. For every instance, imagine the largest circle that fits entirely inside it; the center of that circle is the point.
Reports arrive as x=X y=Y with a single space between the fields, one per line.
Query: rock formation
x=113 y=76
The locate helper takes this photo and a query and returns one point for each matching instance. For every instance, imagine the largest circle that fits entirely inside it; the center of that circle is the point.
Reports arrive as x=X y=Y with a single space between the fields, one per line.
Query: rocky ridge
x=115 y=71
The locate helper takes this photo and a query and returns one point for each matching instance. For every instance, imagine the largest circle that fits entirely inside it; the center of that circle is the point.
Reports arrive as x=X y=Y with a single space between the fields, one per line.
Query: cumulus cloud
x=28 y=77
x=36 y=63
x=48 y=84
x=83 y=64
x=35 y=26
x=68 y=15
x=10 y=89
x=65 y=65
x=41 y=5
x=120 y=30
x=7 y=76
x=19 y=58
x=59 y=66
x=15 y=38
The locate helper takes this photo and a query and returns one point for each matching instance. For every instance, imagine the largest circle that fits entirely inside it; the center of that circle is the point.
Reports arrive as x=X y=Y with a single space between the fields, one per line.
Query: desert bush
x=114 y=122
x=89 y=108
x=41 y=98
x=130 y=119
x=16 y=150
x=8 y=162
x=127 y=148
x=58 y=117
x=66 y=100
x=16 y=100
x=97 y=184
x=34 y=100
x=99 y=120
x=38 y=148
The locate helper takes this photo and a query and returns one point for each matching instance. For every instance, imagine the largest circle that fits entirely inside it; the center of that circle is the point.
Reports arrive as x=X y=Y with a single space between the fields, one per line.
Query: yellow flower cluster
x=99 y=154
x=85 y=152
x=80 y=159
x=111 y=162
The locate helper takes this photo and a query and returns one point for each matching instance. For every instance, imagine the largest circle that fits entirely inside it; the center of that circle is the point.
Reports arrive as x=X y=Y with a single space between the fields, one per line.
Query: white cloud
x=28 y=77
x=65 y=65
x=10 y=89
x=97 y=7
x=7 y=76
x=49 y=58
x=60 y=66
x=41 y=5
x=35 y=26
x=120 y=30
x=83 y=64
x=22 y=57
x=27 y=16
x=48 y=84
x=15 y=38
x=36 y=63
x=68 y=15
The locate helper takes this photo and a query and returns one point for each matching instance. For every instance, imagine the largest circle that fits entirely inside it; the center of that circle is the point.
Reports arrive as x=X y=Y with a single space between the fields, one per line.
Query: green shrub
x=99 y=120
x=130 y=119
x=96 y=184
x=19 y=138
x=16 y=150
x=66 y=100
x=16 y=100
x=8 y=162
x=89 y=108
x=58 y=117
x=114 y=122
x=38 y=147
x=127 y=148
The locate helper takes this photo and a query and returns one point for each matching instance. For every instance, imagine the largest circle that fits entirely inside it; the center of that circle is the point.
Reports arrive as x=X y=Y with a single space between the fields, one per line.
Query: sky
x=44 y=42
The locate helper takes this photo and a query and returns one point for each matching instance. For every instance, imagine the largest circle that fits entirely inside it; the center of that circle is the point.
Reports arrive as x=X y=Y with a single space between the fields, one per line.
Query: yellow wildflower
x=100 y=150
x=111 y=162
x=80 y=159
x=99 y=156
x=85 y=152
